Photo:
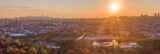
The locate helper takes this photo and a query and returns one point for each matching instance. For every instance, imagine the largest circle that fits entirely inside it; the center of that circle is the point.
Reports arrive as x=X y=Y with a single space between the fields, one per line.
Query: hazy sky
x=75 y=8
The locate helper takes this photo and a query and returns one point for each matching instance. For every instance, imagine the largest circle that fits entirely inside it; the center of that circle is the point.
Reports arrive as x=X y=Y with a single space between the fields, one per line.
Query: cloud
x=14 y=7
x=21 y=8
x=20 y=11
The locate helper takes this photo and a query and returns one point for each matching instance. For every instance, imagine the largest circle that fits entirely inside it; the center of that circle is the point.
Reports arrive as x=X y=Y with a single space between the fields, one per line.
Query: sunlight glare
x=114 y=7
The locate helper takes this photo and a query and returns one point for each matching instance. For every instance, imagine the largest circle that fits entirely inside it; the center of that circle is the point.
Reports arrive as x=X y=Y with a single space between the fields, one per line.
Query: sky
x=76 y=8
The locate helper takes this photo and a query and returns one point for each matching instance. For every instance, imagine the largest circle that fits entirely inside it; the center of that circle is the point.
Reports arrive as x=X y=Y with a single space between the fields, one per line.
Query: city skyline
x=76 y=8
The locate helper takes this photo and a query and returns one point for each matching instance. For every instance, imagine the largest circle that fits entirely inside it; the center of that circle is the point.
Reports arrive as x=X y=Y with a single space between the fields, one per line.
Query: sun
x=114 y=7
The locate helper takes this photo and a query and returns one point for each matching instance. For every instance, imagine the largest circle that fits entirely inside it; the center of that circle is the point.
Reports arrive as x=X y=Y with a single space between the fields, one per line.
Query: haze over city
x=79 y=26
x=77 y=8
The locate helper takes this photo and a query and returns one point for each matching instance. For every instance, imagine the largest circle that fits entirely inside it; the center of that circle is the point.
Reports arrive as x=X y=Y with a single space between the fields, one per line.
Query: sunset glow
x=114 y=7
x=78 y=8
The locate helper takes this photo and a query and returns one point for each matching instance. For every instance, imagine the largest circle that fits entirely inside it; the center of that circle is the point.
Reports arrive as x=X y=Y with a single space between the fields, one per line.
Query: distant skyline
x=76 y=8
